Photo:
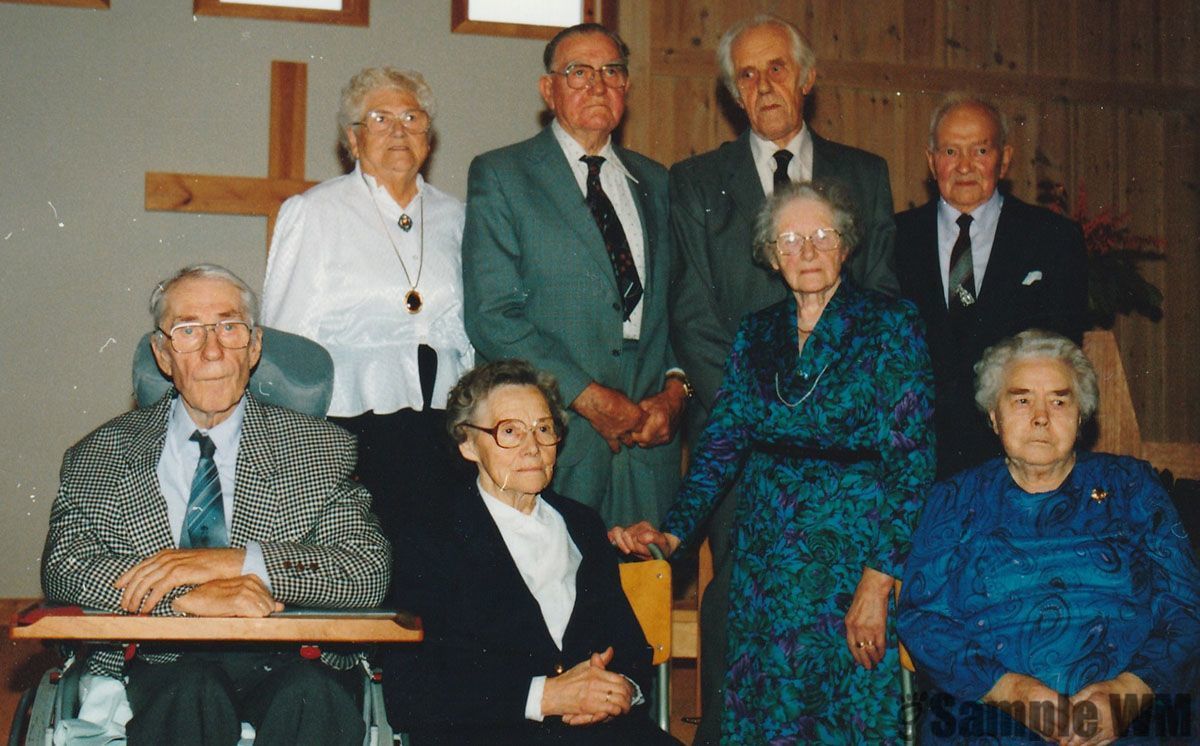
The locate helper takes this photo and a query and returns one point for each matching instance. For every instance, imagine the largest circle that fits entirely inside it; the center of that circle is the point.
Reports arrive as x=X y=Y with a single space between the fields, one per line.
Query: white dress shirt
x=983 y=234
x=800 y=168
x=333 y=276
x=177 y=467
x=614 y=179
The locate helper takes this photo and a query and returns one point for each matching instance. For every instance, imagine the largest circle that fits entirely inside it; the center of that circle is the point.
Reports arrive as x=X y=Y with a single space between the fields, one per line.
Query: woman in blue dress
x=823 y=419
x=1046 y=586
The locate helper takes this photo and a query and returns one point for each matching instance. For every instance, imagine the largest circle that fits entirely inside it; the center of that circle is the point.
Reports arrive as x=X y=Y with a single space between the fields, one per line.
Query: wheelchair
x=293 y=372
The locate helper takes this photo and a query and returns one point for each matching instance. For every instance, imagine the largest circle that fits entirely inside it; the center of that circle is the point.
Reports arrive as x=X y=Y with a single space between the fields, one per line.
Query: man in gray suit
x=211 y=503
x=769 y=69
x=565 y=264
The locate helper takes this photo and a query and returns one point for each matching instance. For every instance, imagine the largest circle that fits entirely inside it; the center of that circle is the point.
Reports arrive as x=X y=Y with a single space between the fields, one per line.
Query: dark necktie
x=962 y=267
x=782 y=159
x=204 y=522
x=628 y=283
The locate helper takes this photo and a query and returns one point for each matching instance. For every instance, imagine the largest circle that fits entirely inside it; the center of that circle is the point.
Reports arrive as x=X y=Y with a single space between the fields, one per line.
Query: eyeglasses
x=789 y=243
x=580 y=75
x=190 y=337
x=413 y=121
x=511 y=433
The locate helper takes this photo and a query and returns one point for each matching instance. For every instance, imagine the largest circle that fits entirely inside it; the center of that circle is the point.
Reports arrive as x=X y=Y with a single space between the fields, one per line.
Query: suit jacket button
x=617 y=307
x=558 y=669
x=616 y=353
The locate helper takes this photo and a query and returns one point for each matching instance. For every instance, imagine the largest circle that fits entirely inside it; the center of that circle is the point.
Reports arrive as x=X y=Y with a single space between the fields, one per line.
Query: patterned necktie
x=782 y=159
x=962 y=267
x=204 y=522
x=628 y=282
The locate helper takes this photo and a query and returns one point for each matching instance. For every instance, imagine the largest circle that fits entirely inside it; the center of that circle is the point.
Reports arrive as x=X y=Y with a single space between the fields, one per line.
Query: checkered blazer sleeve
x=323 y=546
x=91 y=542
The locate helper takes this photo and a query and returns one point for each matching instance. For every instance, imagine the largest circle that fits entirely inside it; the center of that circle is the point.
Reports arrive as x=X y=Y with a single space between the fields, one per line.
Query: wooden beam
x=899 y=77
x=289 y=114
x=229 y=195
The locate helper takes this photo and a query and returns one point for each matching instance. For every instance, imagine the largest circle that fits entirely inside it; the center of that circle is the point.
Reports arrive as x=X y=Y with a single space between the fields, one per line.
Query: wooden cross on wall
x=248 y=195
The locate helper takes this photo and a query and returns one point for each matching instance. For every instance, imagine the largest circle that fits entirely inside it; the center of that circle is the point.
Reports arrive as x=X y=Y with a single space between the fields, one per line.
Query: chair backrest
x=647 y=584
x=293 y=372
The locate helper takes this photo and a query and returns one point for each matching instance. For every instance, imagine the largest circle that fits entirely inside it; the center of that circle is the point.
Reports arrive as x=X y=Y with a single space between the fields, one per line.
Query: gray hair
x=371 y=79
x=581 y=29
x=158 y=298
x=953 y=101
x=992 y=368
x=802 y=51
x=477 y=384
x=829 y=194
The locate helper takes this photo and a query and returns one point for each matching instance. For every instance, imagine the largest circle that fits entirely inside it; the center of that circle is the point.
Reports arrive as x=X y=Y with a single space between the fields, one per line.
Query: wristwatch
x=689 y=391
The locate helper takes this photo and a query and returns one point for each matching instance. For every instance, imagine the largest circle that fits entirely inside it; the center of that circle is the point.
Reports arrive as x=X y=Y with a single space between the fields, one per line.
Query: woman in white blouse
x=368 y=264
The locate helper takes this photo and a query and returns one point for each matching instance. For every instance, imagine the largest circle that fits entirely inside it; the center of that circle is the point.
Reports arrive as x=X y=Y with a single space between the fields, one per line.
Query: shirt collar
x=574 y=151
x=987 y=213
x=380 y=193
x=224 y=435
x=762 y=149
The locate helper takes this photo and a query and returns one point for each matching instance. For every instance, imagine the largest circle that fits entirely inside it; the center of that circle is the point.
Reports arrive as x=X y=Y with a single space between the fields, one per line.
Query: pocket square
x=1032 y=277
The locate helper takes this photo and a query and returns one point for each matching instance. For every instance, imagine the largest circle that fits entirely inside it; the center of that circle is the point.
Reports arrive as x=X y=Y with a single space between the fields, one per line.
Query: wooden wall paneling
x=1012 y=25
x=1179 y=59
x=921 y=33
x=1022 y=175
x=1140 y=193
x=1138 y=40
x=871 y=31
x=1052 y=153
x=690 y=128
x=968 y=34
x=908 y=167
x=1053 y=35
x=1094 y=53
x=634 y=24
x=1181 y=215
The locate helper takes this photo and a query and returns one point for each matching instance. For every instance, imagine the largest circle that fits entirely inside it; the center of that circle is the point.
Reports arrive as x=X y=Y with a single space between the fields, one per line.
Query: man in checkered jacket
x=211 y=503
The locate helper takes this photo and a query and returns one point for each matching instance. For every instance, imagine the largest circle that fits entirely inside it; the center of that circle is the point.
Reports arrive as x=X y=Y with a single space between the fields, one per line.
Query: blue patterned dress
x=807 y=526
x=1071 y=587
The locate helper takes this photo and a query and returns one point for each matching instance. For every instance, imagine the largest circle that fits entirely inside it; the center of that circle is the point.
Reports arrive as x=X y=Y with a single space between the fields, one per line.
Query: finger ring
x=860 y=644
x=870 y=644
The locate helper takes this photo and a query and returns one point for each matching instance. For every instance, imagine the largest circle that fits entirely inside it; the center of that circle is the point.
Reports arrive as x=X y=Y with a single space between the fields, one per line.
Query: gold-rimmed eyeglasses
x=789 y=243
x=190 y=336
x=580 y=75
x=379 y=122
x=512 y=433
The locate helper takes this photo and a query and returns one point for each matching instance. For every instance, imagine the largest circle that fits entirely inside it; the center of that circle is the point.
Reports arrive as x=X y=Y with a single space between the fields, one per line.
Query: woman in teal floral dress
x=823 y=418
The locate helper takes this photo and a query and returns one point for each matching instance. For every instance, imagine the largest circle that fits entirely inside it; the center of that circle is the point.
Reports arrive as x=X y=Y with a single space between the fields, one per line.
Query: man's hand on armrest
x=244 y=596
x=147 y=582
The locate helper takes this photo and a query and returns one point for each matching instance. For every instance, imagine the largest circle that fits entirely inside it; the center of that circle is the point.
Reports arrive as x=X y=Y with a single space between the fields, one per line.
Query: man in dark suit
x=529 y=638
x=565 y=264
x=982 y=266
x=210 y=503
x=769 y=69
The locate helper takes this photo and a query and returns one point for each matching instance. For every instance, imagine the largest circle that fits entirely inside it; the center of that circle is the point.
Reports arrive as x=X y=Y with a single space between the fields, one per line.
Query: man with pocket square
x=981 y=266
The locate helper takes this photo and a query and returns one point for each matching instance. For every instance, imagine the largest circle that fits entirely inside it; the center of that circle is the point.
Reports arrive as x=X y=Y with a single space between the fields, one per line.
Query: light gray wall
x=90 y=101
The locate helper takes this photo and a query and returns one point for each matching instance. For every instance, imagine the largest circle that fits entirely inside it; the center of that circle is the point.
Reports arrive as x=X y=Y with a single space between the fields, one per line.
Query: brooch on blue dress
x=1099 y=494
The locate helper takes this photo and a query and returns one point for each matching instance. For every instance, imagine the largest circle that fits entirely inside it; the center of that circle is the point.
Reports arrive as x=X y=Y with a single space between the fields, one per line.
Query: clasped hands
x=621 y=422
x=588 y=693
x=1087 y=718
x=219 y=587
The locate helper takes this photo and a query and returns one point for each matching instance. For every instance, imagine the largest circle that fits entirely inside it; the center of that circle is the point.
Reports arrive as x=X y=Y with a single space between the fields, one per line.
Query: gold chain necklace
x=412 y=299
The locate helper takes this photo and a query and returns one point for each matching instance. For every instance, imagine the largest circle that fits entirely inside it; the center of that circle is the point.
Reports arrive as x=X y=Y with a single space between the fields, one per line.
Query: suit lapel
x=139 y=494
x=255 y=502
x=1002 y=266
x=644 y=204
x=929 y=269
x=743 y=183
x=489 y=556
x=553 y=176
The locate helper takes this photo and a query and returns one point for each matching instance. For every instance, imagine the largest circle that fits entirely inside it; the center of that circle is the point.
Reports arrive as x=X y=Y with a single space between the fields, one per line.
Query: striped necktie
x=782 y=159
x=962 y=268
x=615 y=242
x=204 y=522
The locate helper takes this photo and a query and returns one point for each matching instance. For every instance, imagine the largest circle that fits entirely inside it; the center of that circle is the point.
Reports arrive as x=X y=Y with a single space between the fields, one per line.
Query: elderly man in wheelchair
x=212 y=503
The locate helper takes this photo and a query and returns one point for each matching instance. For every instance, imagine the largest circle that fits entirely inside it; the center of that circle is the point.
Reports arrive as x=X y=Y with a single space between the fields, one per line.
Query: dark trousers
x=406 y=454
x=203 y=697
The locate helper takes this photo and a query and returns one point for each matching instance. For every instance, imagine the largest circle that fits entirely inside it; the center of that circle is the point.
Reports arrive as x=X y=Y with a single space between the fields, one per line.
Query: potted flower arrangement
x=1115 y=253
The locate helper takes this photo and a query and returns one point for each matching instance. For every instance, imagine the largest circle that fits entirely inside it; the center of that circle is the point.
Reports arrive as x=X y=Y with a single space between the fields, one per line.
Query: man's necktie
x=204 y=522
x=962 y=267
x=628 y=282
x=782 y=159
